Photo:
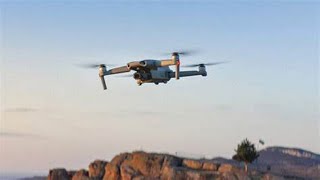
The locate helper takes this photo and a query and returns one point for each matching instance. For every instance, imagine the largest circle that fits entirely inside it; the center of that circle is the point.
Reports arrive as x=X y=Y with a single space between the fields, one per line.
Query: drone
x=153 y=71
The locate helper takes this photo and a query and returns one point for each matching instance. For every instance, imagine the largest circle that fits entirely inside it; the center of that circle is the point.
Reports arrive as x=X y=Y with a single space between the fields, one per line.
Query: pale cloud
x=18 y=135
x=20 y=109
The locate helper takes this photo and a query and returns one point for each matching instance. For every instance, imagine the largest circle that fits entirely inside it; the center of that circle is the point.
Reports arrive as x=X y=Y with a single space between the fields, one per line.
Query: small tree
x=246 y=152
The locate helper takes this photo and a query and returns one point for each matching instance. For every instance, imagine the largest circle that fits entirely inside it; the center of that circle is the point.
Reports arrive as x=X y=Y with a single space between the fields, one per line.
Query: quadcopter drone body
x=153 y=71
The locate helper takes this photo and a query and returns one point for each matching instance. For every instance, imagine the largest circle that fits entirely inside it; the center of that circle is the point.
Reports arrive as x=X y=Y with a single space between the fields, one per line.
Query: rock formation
x=58 y=173
x=97 y=169
x=153 y=166
x=81 y=175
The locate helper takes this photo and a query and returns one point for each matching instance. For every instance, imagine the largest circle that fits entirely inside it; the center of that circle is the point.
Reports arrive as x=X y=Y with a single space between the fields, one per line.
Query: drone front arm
x=122 y=69
x=103 y=72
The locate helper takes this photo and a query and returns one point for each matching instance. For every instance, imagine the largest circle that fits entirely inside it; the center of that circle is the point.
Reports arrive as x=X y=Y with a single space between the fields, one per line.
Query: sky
x=55 y=114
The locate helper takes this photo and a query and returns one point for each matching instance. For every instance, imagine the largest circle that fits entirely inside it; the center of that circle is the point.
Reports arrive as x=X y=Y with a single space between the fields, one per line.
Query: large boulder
x=210 y=166
x=81 y=175
x=228 y=168
x=112 y=172
x=58 y=174
x=97 y=169
x=200 y=165
x=139 y=165
x=144 y=163
x=193 y=164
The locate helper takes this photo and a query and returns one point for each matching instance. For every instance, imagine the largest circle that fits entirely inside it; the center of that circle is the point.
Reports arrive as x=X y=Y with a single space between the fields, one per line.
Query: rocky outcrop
x=97 y=169
x=206 y=165
x=81 y=175
x=58 y=174
x=193 y=164
x=228 y=168
x=154 y=166
x=139 y=164
x=210 y=166
x=112 y=172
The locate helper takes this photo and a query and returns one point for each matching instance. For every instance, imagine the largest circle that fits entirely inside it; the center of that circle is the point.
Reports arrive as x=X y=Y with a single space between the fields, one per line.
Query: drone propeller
x=205 y=64
x=185 y=53
x=176 y=60
x=92 y=65
x=182 y=52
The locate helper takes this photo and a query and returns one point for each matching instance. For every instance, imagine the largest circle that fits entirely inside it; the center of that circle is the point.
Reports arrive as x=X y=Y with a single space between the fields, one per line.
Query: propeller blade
x=186 y=52
x=92 y=65
x=205 y=64
x=182 y=52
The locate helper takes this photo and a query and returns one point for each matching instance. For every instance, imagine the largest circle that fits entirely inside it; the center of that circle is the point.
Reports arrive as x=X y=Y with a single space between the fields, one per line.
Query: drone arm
x=187 y=73
x=122 y=69
x=166 y=62
x=103 y=72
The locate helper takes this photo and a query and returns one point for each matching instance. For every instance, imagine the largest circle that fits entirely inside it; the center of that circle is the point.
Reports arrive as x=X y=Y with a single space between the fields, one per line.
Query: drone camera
x=134 y=64
x=137 y=76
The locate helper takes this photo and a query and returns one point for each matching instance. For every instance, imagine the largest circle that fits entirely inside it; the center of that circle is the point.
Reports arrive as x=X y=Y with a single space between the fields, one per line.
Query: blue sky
x=56 y=114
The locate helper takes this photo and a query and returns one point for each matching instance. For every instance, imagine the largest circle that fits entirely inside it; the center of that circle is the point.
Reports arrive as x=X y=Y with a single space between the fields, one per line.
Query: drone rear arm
x=188 y=73
x=166 y=62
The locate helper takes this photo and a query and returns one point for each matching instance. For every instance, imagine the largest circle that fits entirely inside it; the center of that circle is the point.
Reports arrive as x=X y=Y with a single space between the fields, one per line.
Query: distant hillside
x=285 y=156
x=284 y=161
x=291 y=161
